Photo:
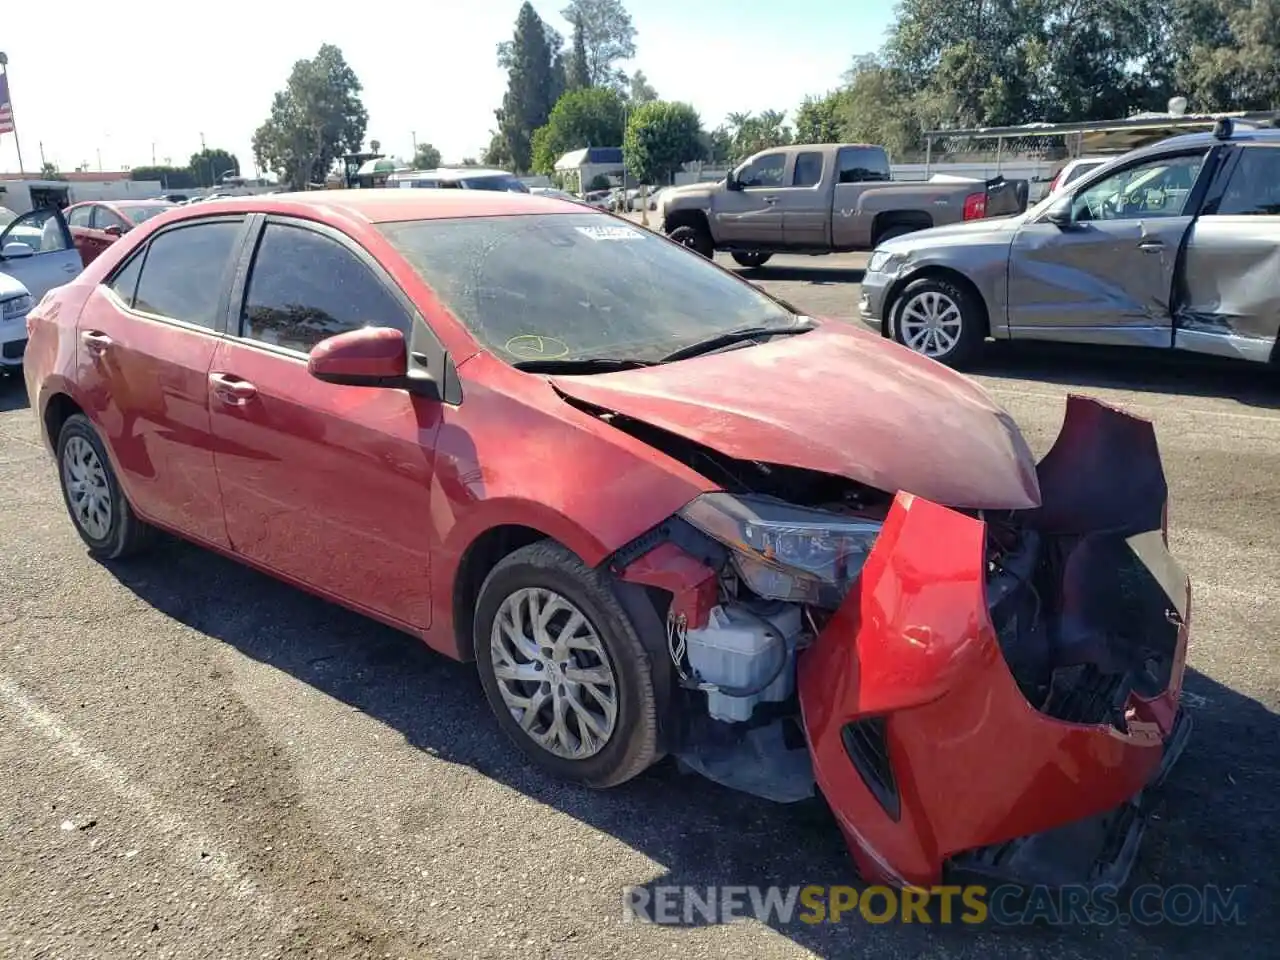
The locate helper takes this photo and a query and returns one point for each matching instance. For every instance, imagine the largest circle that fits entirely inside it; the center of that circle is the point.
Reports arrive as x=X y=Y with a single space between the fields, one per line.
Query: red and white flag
x=6 y=108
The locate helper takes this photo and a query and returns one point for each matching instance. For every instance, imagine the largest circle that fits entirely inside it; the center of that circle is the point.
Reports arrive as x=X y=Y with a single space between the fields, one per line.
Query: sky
x=118 y=84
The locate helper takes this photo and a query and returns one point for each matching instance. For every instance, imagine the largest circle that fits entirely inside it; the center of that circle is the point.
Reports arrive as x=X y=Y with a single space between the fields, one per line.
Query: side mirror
x=731 y=181
x=13 y=250
x=369 y=357
x=1059 y=214
x=113 y=230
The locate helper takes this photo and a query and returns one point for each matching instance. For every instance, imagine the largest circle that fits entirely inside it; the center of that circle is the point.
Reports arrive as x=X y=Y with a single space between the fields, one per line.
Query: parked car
x=459 y=178
x=735 y=538
x=36 y=248
x=822 y=198
x=1174 y=246
x=96 y=224
x=1074 y=169
x=15 y=303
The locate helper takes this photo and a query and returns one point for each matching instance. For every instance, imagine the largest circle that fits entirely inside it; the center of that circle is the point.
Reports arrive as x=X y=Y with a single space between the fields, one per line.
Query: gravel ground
x=202 y=762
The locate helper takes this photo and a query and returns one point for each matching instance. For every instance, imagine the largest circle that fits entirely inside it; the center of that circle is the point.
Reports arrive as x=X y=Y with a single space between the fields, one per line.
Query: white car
x=15 y=304
x=37 y=249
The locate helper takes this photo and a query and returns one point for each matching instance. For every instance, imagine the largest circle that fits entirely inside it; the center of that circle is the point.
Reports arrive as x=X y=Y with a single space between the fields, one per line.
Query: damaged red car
x=663 y=512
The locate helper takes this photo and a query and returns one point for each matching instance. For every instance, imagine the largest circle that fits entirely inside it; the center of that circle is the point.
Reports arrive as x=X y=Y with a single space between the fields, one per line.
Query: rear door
x=327 y=485
x=1229 y=301
x=147 y=337
x=751 y=216
x=806 y=203
x=1107 y=277
x=37 y=249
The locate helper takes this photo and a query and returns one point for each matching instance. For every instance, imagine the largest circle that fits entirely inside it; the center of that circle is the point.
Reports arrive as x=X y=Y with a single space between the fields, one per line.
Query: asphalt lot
x=201 y=762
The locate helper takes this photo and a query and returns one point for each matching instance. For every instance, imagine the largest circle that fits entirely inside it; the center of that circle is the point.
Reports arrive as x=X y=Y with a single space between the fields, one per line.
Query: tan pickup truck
x=822 y=198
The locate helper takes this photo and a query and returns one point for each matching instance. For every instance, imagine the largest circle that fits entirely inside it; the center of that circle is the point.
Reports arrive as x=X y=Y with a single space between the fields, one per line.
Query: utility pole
x=202 y=143
x=99 y=151
x=153 y=153
x=43 y=162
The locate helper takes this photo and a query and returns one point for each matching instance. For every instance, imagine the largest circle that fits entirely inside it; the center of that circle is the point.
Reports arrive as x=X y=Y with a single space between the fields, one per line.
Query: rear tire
x=696 y=237
x=98 y=507
x=586 y=669
x=940 y=320
x=751 y=261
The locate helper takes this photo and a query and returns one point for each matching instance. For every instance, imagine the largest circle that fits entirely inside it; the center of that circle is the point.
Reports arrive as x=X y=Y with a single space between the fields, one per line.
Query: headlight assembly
x=15 y=306
x=880 y=261
x=785 y=552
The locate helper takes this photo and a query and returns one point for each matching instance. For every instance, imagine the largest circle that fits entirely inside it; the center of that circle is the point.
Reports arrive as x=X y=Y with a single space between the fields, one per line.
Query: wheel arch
x=686 y=218
x=934 y=272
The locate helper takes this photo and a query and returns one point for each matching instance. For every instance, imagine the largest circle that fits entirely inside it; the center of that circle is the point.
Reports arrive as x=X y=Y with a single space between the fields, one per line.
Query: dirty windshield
x=578 y=286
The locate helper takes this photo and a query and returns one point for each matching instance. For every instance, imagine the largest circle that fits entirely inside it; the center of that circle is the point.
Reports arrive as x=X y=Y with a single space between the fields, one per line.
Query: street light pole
x=8 y=100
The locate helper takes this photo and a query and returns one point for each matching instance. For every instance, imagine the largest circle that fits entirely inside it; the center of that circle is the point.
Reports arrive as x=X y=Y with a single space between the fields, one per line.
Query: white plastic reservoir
x=738 y=649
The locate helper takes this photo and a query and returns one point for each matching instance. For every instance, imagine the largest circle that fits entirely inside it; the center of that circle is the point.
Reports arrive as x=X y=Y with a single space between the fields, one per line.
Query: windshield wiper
x=729 y=337
x=583 y=365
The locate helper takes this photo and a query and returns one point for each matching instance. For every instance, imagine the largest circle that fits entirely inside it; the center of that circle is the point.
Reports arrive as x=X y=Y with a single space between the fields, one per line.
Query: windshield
x=501 y=182
x=577 y=286
x=139 y=213
x=7 y=216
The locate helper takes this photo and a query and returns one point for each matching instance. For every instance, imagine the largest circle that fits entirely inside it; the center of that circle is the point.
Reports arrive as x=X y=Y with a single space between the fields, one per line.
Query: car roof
x=383 y=205
x=1240 y=134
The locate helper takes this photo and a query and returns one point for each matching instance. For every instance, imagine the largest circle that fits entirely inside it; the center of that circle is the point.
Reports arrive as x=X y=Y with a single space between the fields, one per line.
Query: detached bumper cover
x=923 y=741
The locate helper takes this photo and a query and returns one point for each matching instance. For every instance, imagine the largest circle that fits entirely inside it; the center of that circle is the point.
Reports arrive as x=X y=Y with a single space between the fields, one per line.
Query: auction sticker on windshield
x=610 y=233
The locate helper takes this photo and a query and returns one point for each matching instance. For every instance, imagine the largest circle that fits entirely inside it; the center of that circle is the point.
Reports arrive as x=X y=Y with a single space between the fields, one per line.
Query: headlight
x=15 y=306
x=785 y=552
x=880 y=260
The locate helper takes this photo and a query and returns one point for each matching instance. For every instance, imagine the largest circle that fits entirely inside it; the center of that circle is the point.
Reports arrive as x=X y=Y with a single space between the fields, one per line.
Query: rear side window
x=1254 y=189
x=863 y=164
x=305 y=287
x=185 y=273
x=808 y=170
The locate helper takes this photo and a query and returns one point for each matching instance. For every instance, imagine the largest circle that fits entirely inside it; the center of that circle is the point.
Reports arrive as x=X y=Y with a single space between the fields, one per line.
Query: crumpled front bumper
x=929 y=751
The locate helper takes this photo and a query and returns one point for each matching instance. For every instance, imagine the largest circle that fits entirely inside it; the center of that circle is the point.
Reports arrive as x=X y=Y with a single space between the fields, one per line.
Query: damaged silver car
x=1175 y=245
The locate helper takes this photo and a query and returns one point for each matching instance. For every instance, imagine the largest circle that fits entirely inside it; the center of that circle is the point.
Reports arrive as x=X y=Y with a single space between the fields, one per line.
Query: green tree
x=641 y=91
x=608 y=37
x=818 y=119
x=532 y=88
x=316 y=118
x=470 y=162
x=426 y=157
x=752 y=133
x=590 y=117
x=717 y=145
x=1231 y=56
x=49 y=171
x=877 y=106
x=210 y=164
x=577 y=74
x=660 y=137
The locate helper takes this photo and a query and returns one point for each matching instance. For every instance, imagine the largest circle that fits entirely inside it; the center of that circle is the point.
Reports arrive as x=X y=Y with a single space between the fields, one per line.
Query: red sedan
x=662 y=512
x=97 y=224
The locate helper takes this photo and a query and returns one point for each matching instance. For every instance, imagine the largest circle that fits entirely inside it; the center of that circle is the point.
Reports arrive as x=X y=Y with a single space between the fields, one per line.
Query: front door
x=37 y=249
x=147 y=336
x=326 y=485
x=751 y=216
x=1106 y=276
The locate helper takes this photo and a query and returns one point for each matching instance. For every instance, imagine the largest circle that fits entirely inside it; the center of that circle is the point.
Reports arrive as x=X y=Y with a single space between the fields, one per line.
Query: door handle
x=1151 y=246
x=70 y=268
x=232 y=389
x=769 y=200
x=96 y=342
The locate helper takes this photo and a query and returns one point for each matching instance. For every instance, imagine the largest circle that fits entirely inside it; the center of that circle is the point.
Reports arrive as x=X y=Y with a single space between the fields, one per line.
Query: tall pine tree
x=532 y=87
x=579 y=75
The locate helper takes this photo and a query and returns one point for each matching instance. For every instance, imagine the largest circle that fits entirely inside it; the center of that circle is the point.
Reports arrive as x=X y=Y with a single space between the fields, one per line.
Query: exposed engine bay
x=1080 y=617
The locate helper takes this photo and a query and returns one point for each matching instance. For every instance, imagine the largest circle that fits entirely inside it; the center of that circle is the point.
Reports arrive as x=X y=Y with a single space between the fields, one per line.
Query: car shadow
x=1218 y=816
x=788 y=274
x=1134 y=368
x=13 y=392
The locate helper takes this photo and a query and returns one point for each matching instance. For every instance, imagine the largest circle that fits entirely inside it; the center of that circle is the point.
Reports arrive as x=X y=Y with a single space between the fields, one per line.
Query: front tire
x=940 y=320
x=751 y=261
x=563 y=668
x=696 y=237
x=98 y=507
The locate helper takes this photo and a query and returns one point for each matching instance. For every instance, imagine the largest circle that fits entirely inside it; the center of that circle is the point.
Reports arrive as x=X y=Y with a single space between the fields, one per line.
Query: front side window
x=104 y=217
x=577 y=286
x=808 y=171
x=41 y=230
x=305 y=287
x=1254 y=188
x=79 y=217
x=1156 y=188
x=763 y=171
x=184 y=276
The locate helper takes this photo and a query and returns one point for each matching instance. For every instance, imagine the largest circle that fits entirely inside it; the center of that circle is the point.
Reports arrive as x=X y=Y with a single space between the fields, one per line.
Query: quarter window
x=305 y=287
x=1254 y=189
x=808 y=170
x=125 y=283
x=185 y=273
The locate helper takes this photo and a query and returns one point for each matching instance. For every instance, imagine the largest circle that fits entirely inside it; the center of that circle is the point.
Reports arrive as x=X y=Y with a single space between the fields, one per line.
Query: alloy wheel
x=553 y=673
x=88 y=492
x=930 y=323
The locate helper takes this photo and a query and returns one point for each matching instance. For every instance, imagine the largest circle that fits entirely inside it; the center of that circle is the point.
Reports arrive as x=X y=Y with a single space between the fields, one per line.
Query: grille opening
x=867 y=744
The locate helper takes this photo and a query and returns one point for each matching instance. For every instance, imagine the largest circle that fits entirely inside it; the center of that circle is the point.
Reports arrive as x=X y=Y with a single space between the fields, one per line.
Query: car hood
x=840 y=401
x=994 y=230
x=10 y=286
